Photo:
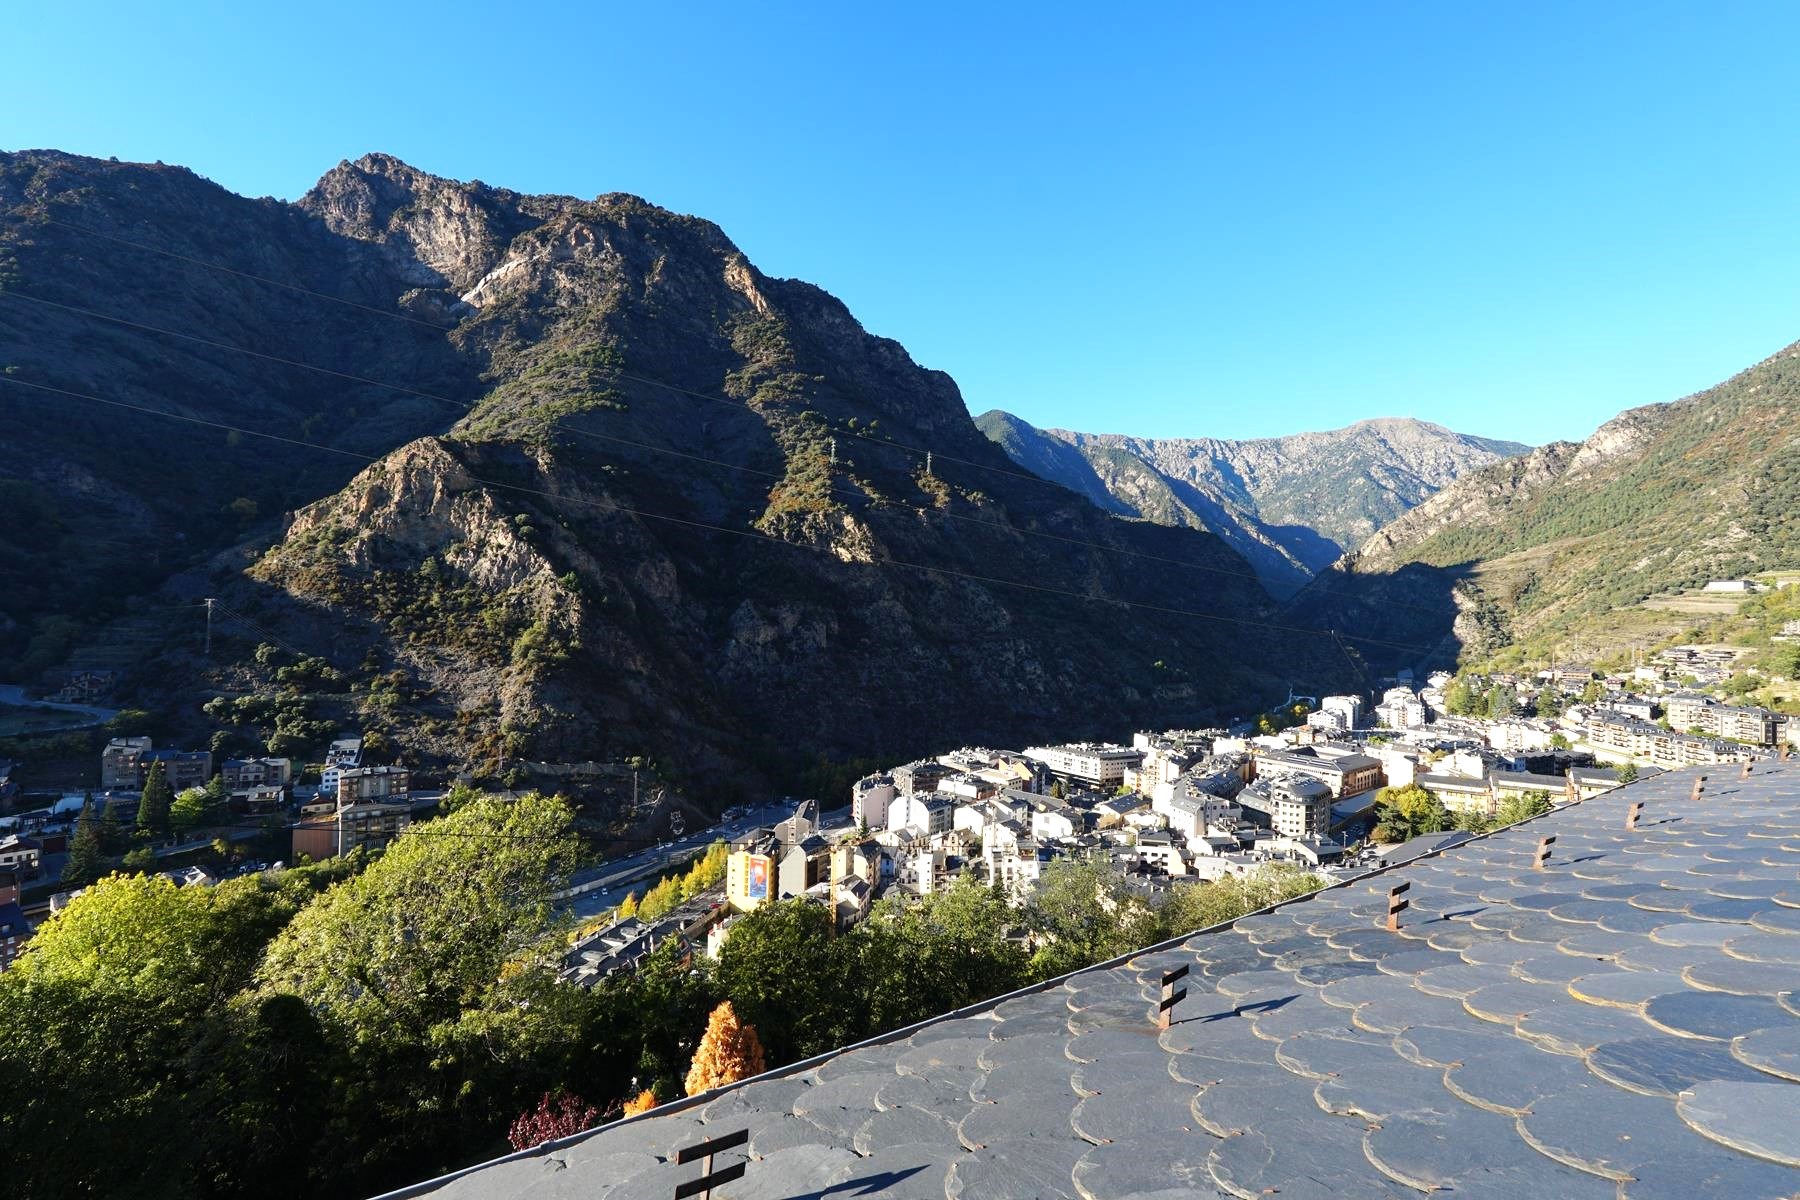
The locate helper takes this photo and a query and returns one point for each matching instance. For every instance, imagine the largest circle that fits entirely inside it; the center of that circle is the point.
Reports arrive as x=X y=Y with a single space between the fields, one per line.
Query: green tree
x=1193 y=906
x=1471 y=820
x=790 y=976
x=914 y=960
x=1460 y=698
x=189 y=810
x=1591 y=693
x=112 y=826
x=122 y=999
x=1502 y=701
x=432 y=972
x=87 y=857
x=1514 y=809
x=155 y=802
x=139 y=860
x=1627 y=772
x=1402 y=814
x=428 y=926
x=1549 y=703
x=1084 y=913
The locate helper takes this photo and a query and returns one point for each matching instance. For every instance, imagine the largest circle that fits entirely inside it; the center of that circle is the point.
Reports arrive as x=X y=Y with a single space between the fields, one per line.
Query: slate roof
x=1624 y=1022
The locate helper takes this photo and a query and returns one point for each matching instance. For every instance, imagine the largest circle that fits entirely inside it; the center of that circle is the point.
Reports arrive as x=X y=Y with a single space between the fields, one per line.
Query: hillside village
x=1198 y=805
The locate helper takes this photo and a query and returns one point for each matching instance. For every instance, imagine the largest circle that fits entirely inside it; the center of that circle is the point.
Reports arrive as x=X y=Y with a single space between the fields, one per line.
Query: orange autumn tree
x=643 y=1102
x=729 y=1051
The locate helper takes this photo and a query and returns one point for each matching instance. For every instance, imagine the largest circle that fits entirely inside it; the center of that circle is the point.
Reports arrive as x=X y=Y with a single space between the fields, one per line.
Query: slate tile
x=1406 y=1010
x=1472 y=1153
x=1383 y=1093
x=1510 y=1080
x=1665 y=1066
x=1756 y=1118
x=904 y=1127
x=1577 y=1029
x=1328 y=1166
x=1717 y=1015
x=1145 y=1107
x=794 y=1172
x=1120 y=1072
x=1022 y=1169
x=1623 y=989
x=1167 y=1166
x=906 y=1172
x=1773 y=1051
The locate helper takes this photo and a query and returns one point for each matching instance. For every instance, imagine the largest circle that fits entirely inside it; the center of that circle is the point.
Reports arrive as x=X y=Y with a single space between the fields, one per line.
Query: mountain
x=1552 y=553
x=1290 y=505
x=622 y=493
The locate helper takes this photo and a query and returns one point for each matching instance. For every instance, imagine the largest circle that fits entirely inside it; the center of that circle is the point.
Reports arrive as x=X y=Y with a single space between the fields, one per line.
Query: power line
x=398 y=316
x=615 y=507
x=213 y=266
x=841 y=489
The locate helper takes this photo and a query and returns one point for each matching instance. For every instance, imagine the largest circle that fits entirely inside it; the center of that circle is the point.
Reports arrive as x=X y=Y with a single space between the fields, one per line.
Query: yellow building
x=748 y=878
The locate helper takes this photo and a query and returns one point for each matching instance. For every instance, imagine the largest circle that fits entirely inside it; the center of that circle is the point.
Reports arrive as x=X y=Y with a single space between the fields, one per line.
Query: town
x=1332 y=786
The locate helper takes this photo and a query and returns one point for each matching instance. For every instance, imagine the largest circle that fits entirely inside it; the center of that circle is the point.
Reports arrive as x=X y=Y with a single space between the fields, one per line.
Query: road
x=14 y=693
x=597 y=889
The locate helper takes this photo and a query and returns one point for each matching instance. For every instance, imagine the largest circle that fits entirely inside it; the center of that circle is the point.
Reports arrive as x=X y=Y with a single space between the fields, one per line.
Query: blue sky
x=1189 y=219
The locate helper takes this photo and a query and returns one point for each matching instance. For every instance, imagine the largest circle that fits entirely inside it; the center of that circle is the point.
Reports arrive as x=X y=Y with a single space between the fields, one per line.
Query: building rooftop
x=1623 y=1022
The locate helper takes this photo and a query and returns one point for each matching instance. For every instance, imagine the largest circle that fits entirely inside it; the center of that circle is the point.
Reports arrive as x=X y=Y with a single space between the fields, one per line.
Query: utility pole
x=834 y=452
x=209 y=614
x=928 y=462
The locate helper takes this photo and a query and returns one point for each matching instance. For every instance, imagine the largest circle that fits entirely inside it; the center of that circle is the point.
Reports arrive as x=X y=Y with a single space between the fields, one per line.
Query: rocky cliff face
x=666 y=504
x=1291 y=505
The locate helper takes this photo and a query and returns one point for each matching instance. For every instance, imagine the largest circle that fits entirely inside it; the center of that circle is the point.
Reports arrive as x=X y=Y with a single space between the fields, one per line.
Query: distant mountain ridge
x=1542 y=552
x=1290 y=505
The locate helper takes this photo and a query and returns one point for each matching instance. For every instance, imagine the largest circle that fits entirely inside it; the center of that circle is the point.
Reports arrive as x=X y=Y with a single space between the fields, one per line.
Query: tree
x=1471 y=820
x=1402 y=814
x=1519 y=808
x=188 y=810
x=628 y=907
x=1192 y=906
x=1559 y=742
x=432 y=974
x=427 y=927
x=1459 y=698
x=554 y=1117
x=87 y=858
x=112 y=826
x=786 y=971
x=156 y=800
x=914 y=960
x=139 y=860
x=1549 y=703
x=122 y=999
x=1084 y=913
x=641 y=1103
x=1627 y=772
x=1502 y=702
x=728 y=1051
x=1591 y=693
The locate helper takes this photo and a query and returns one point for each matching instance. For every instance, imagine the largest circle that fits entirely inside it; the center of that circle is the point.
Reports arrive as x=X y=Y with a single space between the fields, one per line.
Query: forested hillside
x=1538 y=551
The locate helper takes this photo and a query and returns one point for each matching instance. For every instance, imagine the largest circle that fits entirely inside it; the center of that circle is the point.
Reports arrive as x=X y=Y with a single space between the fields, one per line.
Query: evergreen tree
x=158 y=799
x=112 y=826
x=87 y=859
x=729 y=1051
